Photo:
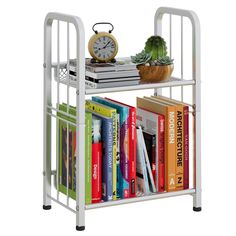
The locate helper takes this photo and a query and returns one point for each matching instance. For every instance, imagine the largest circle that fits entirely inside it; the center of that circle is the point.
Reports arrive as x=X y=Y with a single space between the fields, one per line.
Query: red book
x=132 y=148
x=186 y=147
x=161 y=153
x=96 y=172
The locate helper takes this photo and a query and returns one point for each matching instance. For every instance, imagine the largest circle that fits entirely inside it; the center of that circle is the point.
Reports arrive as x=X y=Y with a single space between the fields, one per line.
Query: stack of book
x=129 y=151
x=103 y=75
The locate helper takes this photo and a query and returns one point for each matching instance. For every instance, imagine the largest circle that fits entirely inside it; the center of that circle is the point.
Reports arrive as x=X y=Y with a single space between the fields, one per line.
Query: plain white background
x=21 y=59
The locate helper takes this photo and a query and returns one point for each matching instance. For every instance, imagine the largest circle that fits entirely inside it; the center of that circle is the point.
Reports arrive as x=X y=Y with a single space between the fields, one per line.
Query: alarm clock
x=103 y=46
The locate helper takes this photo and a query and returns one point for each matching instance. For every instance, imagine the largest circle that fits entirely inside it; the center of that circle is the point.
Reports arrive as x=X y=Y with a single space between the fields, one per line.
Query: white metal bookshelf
x=62 y=77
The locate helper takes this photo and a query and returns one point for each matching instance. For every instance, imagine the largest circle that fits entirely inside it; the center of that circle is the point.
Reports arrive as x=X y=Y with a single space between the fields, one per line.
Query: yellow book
x=179 y=139
x=111 y=113
x=169 y=111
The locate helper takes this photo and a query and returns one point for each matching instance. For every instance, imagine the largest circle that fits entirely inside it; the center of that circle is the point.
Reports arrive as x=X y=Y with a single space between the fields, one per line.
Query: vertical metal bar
x=68 y=104
x=158 y=31
x=67 y=163
x=46 y=117
x=196 y=68
x=182 y=57
x=170 y=44
x=58 y=102
x=80 y=126
x=68 y=66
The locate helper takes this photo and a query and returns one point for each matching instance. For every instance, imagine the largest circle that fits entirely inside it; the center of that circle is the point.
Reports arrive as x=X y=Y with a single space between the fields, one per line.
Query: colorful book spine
x=132 y=147
x=118 y=173
x=107 y=163
x=96 y=172
x=170 y=146
x=108 y=112
x=124 y=144
x=96 y=160
x=72 y=152
x=161 y=153
x=179 y=148
x=186 y=147
x=133 y=152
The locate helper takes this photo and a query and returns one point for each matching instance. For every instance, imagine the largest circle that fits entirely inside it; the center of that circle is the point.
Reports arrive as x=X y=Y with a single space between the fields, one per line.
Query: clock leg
x=113 y=60
x=93 y=60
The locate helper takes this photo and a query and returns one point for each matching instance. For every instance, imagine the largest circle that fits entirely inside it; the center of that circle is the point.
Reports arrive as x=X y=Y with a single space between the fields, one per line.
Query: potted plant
x=153 y=63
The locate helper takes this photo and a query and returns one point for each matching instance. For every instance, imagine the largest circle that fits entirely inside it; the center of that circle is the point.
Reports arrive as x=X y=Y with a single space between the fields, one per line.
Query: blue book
x=107 y=158
x=123 y=165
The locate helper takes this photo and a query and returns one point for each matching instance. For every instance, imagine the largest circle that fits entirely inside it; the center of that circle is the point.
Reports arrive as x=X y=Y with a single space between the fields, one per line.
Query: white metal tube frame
x=196 y=91
x=80 y=115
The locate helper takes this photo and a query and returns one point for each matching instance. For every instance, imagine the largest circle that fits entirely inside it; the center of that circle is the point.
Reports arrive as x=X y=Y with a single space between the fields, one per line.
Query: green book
x=70 y=137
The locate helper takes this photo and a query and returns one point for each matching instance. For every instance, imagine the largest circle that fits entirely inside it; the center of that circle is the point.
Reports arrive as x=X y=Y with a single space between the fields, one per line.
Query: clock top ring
x=103 y=46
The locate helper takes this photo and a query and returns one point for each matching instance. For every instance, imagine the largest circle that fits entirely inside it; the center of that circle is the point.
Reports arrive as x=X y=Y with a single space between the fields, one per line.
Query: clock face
x=104 y=48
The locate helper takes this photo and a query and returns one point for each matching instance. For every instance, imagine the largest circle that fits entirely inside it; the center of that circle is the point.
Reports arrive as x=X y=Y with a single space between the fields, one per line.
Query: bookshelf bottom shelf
x=140 y=199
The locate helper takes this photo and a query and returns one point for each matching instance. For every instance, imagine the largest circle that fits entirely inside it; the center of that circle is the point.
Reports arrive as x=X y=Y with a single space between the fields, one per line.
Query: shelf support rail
x=80 y=111
x=196 y=88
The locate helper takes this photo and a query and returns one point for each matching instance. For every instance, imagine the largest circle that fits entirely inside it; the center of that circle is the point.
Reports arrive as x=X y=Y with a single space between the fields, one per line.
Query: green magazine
x=63 y=153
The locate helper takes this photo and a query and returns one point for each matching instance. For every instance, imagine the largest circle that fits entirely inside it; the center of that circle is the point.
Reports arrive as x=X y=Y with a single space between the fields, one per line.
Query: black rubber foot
x=197 y=208
x=48 y=207
x=80 y=228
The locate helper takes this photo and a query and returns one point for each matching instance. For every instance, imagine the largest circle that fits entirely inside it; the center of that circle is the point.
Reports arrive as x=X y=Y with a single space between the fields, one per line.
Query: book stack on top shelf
x=129 y=151
x=103 y=75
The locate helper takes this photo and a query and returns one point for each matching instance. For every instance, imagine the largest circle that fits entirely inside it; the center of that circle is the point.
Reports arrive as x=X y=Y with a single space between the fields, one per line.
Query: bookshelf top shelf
x=173 y=82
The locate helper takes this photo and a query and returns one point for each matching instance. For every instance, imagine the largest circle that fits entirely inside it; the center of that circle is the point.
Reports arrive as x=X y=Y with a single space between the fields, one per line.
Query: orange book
x=179 y=149
x=169 y=111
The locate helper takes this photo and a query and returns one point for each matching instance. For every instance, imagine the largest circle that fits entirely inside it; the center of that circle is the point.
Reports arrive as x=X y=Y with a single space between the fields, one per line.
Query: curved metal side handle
x=80 y=55
x=196 y=33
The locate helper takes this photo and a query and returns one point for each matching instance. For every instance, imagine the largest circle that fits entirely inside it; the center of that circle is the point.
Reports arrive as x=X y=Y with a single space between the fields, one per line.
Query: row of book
x=110 y=152
x=165 y=124
x=122 y=72
x=129 y=151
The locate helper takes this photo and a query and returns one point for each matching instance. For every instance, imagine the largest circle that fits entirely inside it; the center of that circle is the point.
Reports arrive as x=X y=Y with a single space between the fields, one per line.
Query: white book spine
x=149 y=122
x=141 y=167
x=148 y=167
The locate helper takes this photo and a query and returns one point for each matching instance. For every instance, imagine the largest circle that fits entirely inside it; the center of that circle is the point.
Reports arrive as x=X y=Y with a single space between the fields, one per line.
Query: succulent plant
x=141 y=58
x=163 y=61
x=154 y=53
x=156 y=47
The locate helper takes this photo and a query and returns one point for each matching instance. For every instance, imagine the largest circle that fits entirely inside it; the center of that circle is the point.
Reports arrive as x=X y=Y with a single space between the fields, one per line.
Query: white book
x=112 y=74
x=121 y=64
x=90 y=84
x=149 y=122
x=141 y=170
x=147 y=163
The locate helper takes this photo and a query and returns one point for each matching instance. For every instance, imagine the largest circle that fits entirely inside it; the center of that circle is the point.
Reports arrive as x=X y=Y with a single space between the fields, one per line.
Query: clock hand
x=106 y=44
